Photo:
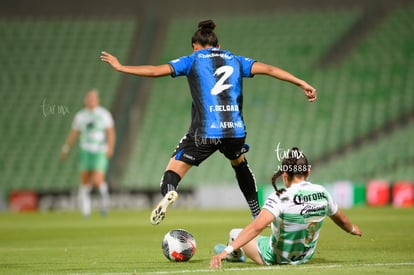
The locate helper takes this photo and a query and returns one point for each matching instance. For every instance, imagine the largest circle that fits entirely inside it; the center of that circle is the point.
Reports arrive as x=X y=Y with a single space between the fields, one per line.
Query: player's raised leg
x=169 y=182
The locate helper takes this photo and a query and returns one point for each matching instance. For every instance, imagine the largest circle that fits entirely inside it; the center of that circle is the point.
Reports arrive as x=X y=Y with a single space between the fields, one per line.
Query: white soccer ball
x=179 y=245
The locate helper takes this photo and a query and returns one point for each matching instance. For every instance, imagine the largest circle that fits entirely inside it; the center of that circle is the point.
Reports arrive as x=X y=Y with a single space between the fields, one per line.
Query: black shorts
x=194 y=151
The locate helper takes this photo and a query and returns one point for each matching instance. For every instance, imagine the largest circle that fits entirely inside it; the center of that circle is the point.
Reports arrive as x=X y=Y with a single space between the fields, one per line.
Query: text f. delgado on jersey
x=224 y=108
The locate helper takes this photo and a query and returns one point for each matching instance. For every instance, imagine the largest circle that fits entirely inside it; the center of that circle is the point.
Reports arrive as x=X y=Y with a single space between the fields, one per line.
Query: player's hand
x=215 y=262
x=109 y=153
x=309 y=91
x=64 y=152
x=112 y=60
x=63 y=155
x=356 y=231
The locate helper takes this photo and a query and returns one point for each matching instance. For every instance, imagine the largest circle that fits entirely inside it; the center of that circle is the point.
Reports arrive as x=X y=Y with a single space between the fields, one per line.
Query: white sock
x=85 y=199
x=233 y=234
x=238 y=253
x=103 y=190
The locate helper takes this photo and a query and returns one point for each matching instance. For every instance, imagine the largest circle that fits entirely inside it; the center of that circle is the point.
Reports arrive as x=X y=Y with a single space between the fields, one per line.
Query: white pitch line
x=274 y=267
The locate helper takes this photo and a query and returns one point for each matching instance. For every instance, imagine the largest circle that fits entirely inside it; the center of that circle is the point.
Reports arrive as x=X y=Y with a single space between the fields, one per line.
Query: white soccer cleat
x=158 y=214
x=236 y=256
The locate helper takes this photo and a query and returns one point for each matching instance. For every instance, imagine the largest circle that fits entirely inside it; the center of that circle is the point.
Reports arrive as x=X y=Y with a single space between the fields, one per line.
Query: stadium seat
x=55 y=61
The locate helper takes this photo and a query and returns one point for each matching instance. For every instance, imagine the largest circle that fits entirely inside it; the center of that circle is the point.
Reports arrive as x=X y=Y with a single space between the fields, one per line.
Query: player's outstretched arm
x=265 y=69
x=110 y=137
x=70 y=140
x=144 y=70
x=246 y=239
x=343 y=222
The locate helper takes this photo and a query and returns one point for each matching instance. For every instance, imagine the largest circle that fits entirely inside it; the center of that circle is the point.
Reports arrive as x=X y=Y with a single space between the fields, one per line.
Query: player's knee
x=240 y=166
x=97 y=178
x=239 y=161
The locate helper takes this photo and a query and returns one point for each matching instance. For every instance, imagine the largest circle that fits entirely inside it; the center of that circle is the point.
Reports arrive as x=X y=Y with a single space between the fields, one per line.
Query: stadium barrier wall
x=348 y=194
x=23 y=201
x=375 y=193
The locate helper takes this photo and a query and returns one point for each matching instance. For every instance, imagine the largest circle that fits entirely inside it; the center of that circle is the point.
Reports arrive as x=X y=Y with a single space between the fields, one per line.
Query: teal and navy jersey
x=215 y=78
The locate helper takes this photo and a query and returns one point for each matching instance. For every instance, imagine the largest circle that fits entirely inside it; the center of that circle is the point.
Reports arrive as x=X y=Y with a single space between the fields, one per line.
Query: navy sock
x=247 y=184
x=169 y=182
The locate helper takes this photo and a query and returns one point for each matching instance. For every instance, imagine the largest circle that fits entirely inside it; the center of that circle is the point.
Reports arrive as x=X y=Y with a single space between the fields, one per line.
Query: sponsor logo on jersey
x=188 y=156
x=231 y=124
x=227 y=125
x=302 y=199
x=270 y=202
x=312 y=211
x=210 y=55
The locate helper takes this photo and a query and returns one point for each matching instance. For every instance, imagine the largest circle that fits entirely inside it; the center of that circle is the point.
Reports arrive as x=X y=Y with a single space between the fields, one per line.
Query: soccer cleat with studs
x=158 y=214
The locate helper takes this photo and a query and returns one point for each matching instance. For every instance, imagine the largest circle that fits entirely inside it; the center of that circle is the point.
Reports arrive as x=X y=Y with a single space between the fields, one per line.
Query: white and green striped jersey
x=92 y=125
x=299 y=213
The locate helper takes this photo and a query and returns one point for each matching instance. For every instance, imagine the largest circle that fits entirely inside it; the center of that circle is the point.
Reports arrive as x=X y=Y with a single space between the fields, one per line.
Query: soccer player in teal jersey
x=295 y=215
x=215 y=79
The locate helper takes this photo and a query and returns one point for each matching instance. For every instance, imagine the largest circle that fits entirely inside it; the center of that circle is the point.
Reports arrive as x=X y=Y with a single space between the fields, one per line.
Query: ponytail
x=205 y=35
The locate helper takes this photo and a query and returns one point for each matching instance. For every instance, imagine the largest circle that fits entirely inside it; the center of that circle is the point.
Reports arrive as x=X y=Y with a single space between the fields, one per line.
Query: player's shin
x=247 y=184
x=84 y=199
x=103 y=190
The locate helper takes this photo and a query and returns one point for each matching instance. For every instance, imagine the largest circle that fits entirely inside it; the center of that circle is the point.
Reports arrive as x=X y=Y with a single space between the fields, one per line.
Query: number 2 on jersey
x=225 y=72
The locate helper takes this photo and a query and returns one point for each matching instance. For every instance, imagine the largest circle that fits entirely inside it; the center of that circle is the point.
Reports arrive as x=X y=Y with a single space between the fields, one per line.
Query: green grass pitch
x=125 y=242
